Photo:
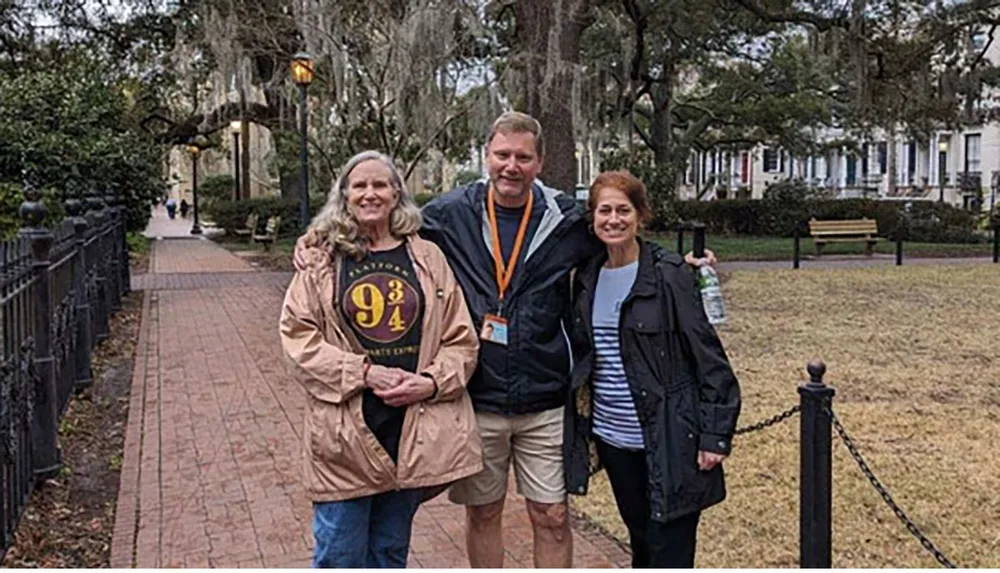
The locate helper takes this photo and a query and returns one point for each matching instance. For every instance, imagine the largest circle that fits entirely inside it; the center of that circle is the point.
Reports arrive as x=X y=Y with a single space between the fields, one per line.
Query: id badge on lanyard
x=495 y=325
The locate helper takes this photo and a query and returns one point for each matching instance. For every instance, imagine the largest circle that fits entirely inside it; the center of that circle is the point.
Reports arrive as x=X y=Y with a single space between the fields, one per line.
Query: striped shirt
x=614 y=417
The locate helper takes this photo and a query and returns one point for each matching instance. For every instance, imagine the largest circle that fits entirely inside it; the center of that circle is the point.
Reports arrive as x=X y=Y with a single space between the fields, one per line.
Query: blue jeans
x=370 y=532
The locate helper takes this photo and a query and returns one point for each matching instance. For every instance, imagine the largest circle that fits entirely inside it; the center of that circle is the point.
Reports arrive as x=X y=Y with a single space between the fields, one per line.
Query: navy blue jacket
x=531 y=374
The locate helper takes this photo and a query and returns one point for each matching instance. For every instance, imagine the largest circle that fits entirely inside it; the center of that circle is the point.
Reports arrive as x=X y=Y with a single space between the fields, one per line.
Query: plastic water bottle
x=711 y=294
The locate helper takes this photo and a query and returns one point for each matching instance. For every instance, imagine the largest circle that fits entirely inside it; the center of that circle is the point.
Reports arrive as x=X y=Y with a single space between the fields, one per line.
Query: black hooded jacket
x=686 y=395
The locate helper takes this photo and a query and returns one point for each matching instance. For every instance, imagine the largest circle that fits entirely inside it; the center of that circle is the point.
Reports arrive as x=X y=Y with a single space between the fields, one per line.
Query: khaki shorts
x=535 y=443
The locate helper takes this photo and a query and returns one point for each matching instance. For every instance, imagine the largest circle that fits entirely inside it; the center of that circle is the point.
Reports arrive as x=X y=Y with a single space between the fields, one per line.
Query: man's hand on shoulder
x=309 y=240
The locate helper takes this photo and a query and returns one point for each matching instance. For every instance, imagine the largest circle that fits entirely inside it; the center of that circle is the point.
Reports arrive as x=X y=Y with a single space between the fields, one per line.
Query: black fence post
x=123 y=237
x=45 y=462
x=680 y=239
x=996 y=243
x=112 y=257
x=84 y=341
x=815 y=481
x=96 y=265
x=796 y=249
x=698 y=236
x=901 y=232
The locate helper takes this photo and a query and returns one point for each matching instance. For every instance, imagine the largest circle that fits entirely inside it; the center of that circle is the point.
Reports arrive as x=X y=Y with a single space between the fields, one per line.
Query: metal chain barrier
x=777 y=419
x=910 y=526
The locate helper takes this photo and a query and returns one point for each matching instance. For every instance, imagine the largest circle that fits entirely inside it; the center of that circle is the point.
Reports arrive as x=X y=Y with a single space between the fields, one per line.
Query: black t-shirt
x=382 y=302
x=508 y=222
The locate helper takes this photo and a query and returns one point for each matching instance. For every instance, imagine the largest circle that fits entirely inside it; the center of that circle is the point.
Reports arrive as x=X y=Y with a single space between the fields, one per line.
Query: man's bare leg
x=484 y=535
x=553 y=537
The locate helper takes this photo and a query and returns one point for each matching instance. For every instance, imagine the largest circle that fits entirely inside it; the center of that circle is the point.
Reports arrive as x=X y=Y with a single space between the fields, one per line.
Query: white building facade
x=949 y=167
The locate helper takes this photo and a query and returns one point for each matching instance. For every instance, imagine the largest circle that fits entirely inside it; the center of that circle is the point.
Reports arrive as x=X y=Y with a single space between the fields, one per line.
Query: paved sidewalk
x=163 y=227
x=850 y=262
x=211 y=466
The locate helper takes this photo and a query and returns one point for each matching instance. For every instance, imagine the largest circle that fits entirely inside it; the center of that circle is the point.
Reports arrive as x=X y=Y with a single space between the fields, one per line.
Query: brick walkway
x=211 y=467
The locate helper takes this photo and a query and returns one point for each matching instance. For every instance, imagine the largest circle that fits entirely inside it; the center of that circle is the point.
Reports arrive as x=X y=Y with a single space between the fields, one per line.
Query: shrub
x=231 y=215
x=424 y=198
x=67 y=129
x=466 y=176
x=216 y=187
x=926 y=222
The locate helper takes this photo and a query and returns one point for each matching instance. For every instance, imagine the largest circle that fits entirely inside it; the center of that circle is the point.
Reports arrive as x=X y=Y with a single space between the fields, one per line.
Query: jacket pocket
x=683 y=436
x=325 y=425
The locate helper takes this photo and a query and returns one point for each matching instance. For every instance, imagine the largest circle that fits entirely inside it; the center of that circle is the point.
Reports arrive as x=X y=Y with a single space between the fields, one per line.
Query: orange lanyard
x=505 y=272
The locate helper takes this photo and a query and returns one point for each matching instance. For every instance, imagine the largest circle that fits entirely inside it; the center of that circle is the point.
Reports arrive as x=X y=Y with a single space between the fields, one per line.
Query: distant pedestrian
x=184 y=208
x=171 y=207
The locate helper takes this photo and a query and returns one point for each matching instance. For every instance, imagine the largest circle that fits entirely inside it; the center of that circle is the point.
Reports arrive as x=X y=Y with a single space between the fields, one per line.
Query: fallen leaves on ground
x=69 y=521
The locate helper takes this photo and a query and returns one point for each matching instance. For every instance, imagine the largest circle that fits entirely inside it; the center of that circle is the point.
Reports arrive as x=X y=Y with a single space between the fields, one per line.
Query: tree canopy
x=422 y=79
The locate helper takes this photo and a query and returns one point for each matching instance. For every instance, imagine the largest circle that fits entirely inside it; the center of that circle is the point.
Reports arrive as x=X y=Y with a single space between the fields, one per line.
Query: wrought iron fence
x=816 y=472
x=57 y=290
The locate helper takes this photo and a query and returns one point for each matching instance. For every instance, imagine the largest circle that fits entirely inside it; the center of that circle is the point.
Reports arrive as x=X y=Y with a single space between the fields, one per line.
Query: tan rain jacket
x=440 y=442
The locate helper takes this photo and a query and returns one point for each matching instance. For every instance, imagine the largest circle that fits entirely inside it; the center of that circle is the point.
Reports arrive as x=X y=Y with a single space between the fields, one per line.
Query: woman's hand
x=381 y=378
x=414 y=388
x=708 y=460
x=709 y=258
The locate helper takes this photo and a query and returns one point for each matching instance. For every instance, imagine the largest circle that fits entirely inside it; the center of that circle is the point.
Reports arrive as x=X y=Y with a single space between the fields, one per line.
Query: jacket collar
x=553 y=216
x=645 y=284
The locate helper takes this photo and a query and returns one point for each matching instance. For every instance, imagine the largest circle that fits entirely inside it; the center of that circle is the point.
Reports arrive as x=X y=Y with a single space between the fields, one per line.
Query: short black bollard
x=698 y=234
x=996 y=243
x=815 y=480
x=680 y=239
x=899 y=251
x=795 y=246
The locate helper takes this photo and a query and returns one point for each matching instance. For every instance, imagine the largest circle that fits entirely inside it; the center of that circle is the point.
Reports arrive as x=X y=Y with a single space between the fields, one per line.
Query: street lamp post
x=234 y=127
x=302 y=75
x=195 y=151
x=942 y=167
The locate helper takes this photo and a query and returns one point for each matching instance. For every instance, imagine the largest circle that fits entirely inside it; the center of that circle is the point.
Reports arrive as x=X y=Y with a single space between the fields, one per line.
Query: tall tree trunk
x=244 y=147
x=661 y=127
x=534 y=19
x=549 y=34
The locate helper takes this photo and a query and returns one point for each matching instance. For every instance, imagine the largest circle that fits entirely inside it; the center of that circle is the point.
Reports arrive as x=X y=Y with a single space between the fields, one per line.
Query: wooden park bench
x=250 y=227
x=848 y=231
x=270 y=233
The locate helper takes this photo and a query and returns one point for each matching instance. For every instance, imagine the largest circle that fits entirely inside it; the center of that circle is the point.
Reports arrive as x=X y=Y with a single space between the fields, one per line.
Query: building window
x=771 y=160
x=852 y=171
x=882 y=151
x=972 y=153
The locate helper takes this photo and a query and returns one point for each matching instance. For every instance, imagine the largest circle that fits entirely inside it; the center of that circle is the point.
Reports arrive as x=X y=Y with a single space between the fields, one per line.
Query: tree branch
x=821 y=23
x=643 y=135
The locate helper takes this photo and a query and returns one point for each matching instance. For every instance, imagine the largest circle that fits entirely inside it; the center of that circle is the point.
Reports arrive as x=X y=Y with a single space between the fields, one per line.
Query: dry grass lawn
x=914 y=355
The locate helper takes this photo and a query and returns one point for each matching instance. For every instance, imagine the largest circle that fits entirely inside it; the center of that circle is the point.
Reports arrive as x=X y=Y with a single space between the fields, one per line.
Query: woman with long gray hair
x=377 y=329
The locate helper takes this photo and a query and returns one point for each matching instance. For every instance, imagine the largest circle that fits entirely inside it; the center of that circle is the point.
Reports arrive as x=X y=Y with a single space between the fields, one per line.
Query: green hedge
x=231 y=215
x=928 y=222
x=424 y=198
